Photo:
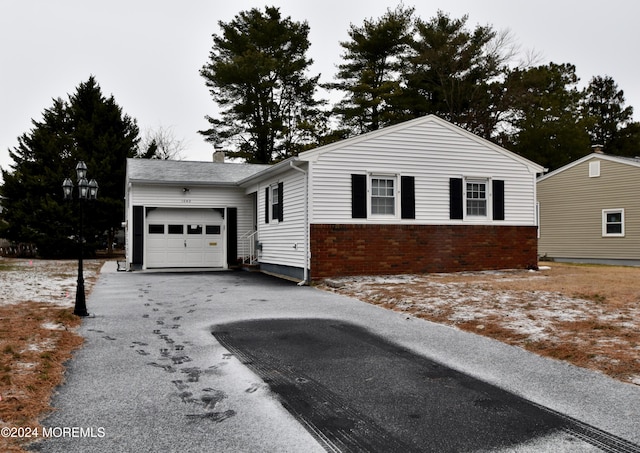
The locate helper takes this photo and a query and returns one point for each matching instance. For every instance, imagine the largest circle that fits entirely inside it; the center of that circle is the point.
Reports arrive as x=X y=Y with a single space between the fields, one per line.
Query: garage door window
x=213 y=229
x=194 y=229
x=156 y=229
x=176 y=229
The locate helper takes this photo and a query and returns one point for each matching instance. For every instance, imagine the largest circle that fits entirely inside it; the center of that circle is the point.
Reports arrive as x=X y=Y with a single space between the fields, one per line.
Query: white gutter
x=306 y=223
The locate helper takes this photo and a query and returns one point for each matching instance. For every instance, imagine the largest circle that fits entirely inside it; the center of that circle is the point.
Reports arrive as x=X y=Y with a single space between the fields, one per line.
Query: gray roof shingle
x=183 y=172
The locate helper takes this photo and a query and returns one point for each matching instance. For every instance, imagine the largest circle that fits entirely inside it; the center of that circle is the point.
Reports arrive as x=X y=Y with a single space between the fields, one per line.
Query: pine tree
x=87 y=127
x=457 y=73
x=611 y=123
x=546 y=121
x=370 y=74
x=256 y=74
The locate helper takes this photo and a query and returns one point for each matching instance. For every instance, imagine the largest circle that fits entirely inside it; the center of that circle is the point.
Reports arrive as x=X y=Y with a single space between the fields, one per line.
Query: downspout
x=306 y=224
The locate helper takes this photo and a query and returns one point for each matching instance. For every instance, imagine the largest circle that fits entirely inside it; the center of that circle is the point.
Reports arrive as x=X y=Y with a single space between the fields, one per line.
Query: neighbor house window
x=383 y=196
x=613 y=222
x=476 y=197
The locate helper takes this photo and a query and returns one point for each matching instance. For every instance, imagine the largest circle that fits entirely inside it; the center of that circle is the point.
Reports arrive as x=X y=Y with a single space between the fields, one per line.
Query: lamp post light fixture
x=86 y=191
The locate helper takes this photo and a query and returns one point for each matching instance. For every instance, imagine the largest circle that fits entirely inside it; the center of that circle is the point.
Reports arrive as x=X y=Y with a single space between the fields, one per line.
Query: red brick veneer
x=346 y=249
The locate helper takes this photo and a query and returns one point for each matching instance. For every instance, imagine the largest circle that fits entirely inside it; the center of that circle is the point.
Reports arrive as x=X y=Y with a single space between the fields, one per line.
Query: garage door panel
x=185 y=238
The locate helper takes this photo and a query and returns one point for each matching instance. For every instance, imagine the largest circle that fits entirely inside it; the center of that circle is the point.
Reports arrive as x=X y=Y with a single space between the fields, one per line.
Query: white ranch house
x=421 y=196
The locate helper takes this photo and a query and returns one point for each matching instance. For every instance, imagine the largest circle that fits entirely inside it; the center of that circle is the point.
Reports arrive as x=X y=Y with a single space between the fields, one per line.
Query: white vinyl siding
x=283 y=243
x=432 y=154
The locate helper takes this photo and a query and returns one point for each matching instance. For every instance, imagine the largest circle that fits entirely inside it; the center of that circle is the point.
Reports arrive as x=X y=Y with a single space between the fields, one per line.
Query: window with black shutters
x=274 y=203
x=469 y=198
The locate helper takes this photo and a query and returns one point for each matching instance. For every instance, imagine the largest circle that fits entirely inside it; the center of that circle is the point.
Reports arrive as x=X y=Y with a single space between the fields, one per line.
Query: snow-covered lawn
x=48 y=281
x=38 y=335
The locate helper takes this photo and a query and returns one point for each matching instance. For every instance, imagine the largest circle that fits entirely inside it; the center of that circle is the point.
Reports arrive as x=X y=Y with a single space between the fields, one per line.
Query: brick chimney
x=218 y=156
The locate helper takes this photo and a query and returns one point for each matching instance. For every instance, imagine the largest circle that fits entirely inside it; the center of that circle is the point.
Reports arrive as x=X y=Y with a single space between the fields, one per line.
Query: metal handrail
x=248 y=242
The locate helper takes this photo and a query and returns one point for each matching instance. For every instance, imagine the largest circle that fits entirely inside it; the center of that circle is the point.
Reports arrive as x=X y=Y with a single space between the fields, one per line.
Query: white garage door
x=184 y=238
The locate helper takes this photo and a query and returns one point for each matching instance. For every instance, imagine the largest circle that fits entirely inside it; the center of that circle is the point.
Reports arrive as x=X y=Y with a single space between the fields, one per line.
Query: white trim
x=488 y=194
x=538 y=219
x=395 y=177
x=605 y=234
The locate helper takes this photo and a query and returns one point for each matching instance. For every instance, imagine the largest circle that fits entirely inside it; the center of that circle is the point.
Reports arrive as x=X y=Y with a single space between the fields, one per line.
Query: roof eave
x=183 y=183
x=275 y=169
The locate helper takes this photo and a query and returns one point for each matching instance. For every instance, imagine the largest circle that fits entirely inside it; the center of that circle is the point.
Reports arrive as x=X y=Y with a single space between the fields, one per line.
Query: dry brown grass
x=584 y=314
x=36 y=339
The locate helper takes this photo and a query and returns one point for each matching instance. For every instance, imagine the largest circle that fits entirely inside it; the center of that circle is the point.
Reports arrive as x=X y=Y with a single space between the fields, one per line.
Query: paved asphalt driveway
x=240 y=362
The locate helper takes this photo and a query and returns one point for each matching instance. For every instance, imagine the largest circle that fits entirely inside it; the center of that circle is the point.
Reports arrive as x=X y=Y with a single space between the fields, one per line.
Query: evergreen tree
x=88 y=127
x=370 y=74
x=457 y=73
x=256 y=74
x=611 y=123
x=546 y=121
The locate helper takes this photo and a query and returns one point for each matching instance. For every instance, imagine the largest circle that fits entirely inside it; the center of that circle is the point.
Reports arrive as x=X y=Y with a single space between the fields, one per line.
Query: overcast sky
x=148 y=53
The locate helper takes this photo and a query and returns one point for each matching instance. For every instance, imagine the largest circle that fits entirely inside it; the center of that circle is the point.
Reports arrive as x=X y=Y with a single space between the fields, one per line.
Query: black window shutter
x=138 y=235
x=266 y=204
x=498 y=199
x=280 y=200
x=456 y=210
x=407 y=197
x=359 y=196
x=232 y=236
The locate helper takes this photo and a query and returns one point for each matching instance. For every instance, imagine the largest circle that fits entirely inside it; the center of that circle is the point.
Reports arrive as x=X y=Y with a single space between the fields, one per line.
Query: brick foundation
x=339 y=250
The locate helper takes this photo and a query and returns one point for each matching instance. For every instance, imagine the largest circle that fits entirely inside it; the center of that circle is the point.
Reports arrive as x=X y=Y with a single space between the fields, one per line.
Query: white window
x=594 y=169
x=383 y=195
x=613 y=222
x=275 y=202
x=476 y=197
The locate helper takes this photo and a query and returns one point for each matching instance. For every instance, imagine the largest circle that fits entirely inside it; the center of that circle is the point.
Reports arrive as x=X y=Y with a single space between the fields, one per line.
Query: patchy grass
x=587 y=315
x=37 y=336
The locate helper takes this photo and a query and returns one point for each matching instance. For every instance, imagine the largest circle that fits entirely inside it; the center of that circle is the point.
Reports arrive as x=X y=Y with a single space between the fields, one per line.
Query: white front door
x=184 y=238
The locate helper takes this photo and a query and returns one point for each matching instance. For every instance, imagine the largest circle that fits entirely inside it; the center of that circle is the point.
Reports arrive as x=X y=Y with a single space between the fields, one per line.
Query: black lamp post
x=86 y=191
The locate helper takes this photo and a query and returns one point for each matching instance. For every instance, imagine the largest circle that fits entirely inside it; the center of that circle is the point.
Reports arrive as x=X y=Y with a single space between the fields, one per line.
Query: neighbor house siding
x=571 y=205
x=283 y=242
x=432 y=154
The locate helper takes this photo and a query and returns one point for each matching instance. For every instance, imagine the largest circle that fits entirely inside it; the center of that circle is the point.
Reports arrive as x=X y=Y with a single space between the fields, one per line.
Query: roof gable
x=420 y=122
x=632 y=161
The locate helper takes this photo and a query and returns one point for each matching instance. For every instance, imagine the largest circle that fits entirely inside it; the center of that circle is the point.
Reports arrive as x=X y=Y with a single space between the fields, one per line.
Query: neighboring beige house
x=589 y=211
